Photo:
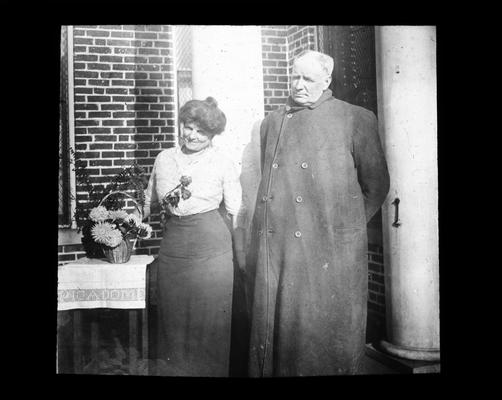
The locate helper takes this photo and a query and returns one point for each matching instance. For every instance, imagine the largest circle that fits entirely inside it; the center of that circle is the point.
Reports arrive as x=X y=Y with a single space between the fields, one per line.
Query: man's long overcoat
x=324 y=176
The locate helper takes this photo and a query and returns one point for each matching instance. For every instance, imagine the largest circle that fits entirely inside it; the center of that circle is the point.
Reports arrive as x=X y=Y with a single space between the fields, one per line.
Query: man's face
x=308 y=81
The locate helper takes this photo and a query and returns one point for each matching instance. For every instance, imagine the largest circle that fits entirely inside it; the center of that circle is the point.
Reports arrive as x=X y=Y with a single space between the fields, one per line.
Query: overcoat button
x=299 y=199
x=264 y=198
x=304 y=165
x=275 y=165
x=298 y=234
x=289 y=115
x=260 y=232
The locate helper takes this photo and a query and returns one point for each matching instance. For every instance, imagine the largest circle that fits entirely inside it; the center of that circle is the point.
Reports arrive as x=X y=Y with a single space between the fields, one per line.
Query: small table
x=96 y=283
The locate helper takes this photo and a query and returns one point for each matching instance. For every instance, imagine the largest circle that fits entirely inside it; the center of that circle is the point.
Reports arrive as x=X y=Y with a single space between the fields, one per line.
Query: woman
x=195 y=267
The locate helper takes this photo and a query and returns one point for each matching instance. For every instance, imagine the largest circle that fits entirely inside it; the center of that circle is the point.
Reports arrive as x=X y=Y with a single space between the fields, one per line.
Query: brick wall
x=376 y=293
x=280 y=44
x=300 y=38
x=275 y=66
x=124 y=106
x=70 y=252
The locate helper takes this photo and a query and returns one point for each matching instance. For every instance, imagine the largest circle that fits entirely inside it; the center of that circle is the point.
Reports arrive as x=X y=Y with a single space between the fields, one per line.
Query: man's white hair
x=326 y=62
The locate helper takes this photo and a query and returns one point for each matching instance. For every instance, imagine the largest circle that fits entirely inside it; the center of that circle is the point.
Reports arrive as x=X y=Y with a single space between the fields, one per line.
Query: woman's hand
x=239 y=247
x=241 y=259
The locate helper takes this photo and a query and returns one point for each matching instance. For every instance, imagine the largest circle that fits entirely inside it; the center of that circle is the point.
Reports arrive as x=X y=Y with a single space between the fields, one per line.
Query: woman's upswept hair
x=205 y=114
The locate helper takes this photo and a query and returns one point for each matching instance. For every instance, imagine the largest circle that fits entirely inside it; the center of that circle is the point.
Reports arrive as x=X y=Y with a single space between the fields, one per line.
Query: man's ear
x=327 y=82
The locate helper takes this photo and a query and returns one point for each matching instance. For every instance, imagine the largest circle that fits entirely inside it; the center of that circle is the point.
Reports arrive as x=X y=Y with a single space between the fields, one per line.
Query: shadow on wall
x=250 y=179
x=250 y=176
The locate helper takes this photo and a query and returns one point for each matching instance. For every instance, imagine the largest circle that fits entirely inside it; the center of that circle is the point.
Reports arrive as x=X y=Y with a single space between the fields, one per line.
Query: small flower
x=185 y=180
x=134 y=219
x=98 y=214
x=185 y=194
x=172 y=198
x=105 y=233
x=144 y=231
x=118 y=214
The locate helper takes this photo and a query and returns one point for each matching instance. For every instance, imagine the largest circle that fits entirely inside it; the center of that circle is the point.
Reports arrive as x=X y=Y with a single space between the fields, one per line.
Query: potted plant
x=131 y=180
x=117 y=230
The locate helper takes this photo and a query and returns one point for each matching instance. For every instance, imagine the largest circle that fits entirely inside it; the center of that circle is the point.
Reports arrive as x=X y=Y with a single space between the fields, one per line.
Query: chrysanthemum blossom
x=115 y=238
x=185 y=194
x=145 y=231
x=118 y=214
x=105 y=233
x=98 y=214
x=185 y=180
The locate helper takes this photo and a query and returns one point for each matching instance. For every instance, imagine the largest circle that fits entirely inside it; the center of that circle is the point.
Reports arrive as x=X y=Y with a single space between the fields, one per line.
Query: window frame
x=176 y=69
x=71 y=192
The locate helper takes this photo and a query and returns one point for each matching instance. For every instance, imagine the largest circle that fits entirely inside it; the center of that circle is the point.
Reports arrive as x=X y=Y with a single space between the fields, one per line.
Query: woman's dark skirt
x=194 y=296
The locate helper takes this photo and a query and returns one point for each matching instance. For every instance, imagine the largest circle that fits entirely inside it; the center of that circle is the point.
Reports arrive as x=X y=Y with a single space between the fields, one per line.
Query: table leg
x=144 y=333
x=133 y=340
x=61 y=343
x=94 y=340
x=77 y=341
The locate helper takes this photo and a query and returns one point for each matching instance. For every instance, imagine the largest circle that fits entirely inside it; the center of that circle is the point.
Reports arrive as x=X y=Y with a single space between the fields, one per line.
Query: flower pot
x=121 y=253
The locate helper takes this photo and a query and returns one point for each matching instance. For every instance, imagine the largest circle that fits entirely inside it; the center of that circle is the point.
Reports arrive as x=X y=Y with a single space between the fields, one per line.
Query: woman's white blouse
x=214 y=178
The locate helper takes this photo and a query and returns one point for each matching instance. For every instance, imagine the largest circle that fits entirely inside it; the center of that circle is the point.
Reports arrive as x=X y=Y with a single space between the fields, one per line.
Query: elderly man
x=323 y=177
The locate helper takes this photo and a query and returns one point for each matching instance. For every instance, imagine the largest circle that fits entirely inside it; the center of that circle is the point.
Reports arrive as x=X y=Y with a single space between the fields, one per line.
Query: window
x=66 y=177
x=183 y=63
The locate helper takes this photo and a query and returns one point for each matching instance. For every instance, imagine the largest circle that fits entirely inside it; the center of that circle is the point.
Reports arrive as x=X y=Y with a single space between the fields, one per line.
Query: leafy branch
x=131 y=178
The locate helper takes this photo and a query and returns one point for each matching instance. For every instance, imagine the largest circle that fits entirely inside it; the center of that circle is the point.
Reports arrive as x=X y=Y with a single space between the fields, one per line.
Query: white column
x=227 y=65
x=406 y=84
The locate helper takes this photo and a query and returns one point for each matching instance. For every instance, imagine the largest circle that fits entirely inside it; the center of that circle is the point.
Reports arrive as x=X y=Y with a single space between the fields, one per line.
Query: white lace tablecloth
x=96 y=283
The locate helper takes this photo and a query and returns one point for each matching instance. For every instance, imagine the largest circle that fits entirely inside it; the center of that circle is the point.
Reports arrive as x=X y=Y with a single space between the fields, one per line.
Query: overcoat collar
x=292 y=106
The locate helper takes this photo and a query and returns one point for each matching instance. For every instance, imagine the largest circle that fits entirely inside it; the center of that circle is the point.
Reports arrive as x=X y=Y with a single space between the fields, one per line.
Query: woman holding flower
x=195 y=266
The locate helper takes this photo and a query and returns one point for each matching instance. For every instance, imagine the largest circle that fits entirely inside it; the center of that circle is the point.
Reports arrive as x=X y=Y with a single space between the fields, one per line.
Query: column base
x=409 y=353
x=401 y=365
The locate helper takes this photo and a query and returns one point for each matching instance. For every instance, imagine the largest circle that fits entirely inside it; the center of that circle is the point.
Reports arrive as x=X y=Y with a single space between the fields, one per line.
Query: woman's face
x=194 y=138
